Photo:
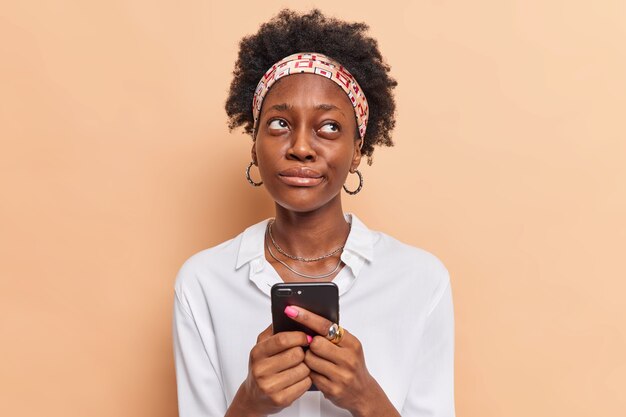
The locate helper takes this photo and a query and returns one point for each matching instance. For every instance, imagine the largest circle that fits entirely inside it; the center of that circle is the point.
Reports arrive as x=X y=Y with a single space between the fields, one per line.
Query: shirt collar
x=252 y=243
x=360 y=242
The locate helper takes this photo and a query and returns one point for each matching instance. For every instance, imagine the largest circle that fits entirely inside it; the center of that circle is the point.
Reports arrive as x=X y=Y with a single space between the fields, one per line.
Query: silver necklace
x=299 y=258
x=300 y=273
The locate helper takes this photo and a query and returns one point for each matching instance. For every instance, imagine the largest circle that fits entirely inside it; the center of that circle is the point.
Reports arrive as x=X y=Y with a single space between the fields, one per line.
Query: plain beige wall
x=116 y=165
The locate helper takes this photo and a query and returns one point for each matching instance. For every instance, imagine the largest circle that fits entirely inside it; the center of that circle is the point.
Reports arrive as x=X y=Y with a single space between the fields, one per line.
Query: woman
x=316 y=96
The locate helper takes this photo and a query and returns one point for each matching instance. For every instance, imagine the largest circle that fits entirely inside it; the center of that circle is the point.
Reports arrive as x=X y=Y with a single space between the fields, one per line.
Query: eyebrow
x=281 y=107
x=327 y=107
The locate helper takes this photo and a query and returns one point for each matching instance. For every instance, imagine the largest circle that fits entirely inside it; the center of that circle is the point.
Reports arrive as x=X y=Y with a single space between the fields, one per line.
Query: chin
x=305 y=202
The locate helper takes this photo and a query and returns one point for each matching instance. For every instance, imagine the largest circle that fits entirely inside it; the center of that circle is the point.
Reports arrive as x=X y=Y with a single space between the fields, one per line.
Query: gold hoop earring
x=357 y=172
x=255 y=184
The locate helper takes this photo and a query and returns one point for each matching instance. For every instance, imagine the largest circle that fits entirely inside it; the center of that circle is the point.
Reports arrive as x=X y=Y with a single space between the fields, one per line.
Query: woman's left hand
x=339 y=370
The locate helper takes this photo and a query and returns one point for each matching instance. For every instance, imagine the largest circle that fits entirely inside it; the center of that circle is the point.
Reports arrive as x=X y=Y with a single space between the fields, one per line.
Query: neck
x=310 y=234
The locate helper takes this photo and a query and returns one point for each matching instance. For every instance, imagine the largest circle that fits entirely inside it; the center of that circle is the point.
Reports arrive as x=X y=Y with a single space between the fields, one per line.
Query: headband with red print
x=314 y=63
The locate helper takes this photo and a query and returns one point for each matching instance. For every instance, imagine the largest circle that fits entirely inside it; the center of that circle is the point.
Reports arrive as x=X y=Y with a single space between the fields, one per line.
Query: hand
x=277 y=375
x=339 y=370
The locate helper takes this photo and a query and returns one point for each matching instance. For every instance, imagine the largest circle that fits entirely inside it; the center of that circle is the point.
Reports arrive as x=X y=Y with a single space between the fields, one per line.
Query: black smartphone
x=321 y=298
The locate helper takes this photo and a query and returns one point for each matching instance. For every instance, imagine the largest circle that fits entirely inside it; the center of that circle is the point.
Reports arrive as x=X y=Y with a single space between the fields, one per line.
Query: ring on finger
x=335 y=333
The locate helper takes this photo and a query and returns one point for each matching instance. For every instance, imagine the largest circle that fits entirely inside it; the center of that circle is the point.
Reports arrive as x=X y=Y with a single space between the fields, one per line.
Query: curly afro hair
x=290 y=32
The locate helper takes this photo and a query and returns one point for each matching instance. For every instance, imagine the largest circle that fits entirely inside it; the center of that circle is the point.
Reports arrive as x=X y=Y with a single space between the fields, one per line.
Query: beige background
x=116 y=165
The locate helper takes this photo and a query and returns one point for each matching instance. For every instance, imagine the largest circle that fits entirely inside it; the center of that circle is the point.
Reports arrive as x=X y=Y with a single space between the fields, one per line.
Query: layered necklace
x=299 y=258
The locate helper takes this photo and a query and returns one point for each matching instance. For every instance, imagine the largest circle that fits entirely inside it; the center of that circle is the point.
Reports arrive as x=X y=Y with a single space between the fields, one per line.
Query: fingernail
x=291 y=312
x=309 y=338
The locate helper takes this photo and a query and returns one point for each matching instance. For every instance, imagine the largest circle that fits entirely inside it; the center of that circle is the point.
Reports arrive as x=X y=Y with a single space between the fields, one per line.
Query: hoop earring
x=357 y=172
x=255 y=184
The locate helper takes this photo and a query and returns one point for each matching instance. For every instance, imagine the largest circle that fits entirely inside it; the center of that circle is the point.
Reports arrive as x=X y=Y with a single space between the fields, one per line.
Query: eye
x=330 y=127
x=278 y=124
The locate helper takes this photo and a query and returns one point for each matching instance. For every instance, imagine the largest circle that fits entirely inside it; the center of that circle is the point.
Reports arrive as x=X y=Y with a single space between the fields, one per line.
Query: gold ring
x=335 y=333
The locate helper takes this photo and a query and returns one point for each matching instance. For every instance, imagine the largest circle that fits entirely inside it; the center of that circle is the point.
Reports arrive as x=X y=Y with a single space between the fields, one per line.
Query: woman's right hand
x=277 y=375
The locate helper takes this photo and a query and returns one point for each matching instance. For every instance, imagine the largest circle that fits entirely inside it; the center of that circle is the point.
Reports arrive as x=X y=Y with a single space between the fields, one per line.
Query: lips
x=300 y=172
x=301 y=177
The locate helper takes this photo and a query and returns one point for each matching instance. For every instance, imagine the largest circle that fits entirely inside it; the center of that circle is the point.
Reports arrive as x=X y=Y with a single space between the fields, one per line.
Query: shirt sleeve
x=200 y=393
x=431 y=393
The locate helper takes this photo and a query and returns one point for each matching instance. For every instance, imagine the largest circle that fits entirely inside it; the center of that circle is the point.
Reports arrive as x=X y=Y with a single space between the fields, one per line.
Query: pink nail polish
x=309 y=339
x=291 y=312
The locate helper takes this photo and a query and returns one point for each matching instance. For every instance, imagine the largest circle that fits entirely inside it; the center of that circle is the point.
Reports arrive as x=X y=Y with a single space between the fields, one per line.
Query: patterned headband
x=314 y=63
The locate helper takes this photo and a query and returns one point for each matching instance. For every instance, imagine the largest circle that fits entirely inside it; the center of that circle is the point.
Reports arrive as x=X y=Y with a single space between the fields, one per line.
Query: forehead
x=307 y=90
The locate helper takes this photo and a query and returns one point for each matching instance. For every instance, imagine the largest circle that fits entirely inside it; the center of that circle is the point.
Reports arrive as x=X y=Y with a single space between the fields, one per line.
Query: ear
x=253 y=154
x=356 y=156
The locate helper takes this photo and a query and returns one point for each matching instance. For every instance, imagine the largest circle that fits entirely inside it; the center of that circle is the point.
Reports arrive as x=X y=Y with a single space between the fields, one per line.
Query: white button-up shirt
x=393 y=297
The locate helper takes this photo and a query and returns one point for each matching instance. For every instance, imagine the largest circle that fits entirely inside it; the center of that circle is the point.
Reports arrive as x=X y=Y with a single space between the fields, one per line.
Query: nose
x=301 y=149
